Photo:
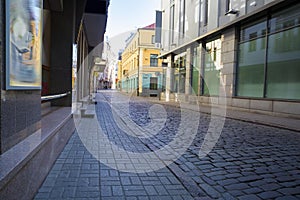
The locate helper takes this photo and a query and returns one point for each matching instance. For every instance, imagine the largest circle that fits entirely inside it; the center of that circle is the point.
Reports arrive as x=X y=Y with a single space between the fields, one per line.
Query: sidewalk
x=249 y=161
x=249 y=116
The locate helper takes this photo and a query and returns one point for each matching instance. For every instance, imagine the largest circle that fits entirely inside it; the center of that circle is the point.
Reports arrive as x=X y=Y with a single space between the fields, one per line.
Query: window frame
x=155 y=63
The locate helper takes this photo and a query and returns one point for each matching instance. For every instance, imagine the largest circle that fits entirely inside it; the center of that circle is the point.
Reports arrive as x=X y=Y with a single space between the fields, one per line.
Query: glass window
x=283 y=80
x=172 y=10
x=204 y=12
x=228 y=5
x=164 y=79
x=251 y=60
x=212 y=66
x=195 y=71
x=180 y=74
x=254 y=31
x=280 y=61
x=153 y=60
x=283 y=72
x=250 y=71
x=182 y=18
x=182 y=81
x=146 y=81
x=285 y=19
x=153 y=83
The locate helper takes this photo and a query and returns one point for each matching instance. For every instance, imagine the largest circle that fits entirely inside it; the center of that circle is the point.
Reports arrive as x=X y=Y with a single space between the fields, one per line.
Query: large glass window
x=212 y=65
x=271 y=72
x=283 y=70
x=252 y=60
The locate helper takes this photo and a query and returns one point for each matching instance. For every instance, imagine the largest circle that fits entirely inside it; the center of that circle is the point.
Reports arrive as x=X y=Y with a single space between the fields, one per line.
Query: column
x=188 y=77
x=228 y=58
x=169 y=77
x=62 y=33
x=140 y=70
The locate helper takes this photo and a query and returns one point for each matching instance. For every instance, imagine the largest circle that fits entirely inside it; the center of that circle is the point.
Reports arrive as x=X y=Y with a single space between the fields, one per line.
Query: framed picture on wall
x=23 y=44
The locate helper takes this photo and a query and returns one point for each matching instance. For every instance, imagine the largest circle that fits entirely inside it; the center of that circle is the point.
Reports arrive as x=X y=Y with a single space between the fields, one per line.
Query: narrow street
x=115 y=155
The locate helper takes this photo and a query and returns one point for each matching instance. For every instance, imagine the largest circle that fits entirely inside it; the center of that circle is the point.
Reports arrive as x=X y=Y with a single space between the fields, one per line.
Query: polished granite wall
x=20 y=109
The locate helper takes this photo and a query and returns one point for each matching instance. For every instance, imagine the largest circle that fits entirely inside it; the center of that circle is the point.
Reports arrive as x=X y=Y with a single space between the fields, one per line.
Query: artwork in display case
x=23 y=44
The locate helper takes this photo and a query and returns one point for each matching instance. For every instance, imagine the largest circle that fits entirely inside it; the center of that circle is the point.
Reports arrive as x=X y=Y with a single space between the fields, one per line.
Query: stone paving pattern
x=249 y=161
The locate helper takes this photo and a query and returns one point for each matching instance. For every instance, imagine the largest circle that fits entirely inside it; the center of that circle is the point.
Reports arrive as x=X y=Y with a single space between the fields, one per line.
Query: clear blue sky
x=128 y=15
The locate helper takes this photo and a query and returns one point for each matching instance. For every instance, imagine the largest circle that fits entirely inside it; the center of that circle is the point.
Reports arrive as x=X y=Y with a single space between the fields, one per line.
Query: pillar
x=188 y=77
x=229 y=59
x=62 y=33
x=169 y=77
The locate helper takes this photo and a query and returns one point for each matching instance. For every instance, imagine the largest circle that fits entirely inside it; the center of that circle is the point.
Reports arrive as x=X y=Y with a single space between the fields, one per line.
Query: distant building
x=119 y=73
x=141 y=69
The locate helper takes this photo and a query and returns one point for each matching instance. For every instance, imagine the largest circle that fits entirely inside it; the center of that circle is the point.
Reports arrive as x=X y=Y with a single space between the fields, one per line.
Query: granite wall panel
x=20 y=116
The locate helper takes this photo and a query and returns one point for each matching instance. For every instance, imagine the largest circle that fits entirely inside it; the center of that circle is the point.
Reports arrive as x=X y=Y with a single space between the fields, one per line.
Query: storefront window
x=272 y=72
x=212 y=66
x=252 y=60
x=283 y=70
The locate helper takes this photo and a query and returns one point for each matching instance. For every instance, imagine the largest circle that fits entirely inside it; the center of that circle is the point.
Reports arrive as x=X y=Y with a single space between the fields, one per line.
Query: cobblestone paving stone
x=249 y=161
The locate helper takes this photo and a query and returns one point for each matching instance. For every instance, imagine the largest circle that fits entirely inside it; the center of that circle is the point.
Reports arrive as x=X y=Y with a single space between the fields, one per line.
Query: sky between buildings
x=128 y=15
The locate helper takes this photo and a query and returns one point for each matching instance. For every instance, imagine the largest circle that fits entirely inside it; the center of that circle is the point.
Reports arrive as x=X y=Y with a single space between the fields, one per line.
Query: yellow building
x=142 y=72
x=119 y=77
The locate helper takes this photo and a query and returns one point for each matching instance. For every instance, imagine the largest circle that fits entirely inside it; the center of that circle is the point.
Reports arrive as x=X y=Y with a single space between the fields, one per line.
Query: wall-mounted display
x=23 y=44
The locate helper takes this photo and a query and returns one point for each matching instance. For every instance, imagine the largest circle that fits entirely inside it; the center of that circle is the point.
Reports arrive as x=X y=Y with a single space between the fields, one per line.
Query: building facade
x=119 y=74
x=33 y=132
x=246 y=51
x=141 y=69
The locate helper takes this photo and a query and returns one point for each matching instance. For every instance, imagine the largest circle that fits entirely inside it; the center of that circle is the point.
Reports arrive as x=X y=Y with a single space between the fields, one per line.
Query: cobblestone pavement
x=249 y=161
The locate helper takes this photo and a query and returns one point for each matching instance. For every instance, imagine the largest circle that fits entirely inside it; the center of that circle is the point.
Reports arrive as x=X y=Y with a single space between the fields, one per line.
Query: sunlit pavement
x=249 y=161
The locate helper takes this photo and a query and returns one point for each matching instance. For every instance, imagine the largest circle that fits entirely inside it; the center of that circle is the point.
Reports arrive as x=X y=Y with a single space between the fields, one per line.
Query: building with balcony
x=244 y=54
x=141 y=69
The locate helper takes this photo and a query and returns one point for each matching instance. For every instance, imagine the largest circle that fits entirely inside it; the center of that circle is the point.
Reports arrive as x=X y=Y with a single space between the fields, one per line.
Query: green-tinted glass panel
x=179 y=74
x=146 y=81
x=211 y=76
x=176 y=82
x=283 y=73
x=195 y=71
x=211 y=82
x=285 y=19
x=250 y=81
x=254 y=31
x=195 y=82
x=182 y=81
